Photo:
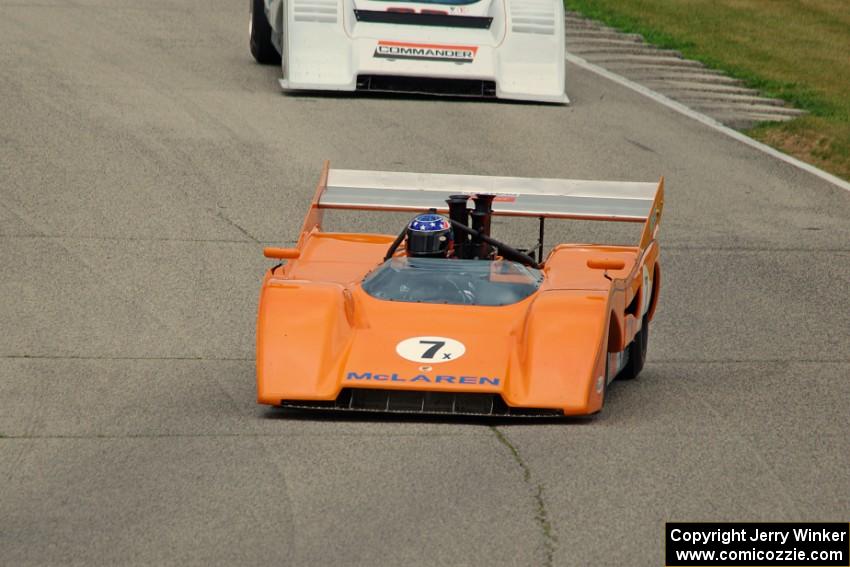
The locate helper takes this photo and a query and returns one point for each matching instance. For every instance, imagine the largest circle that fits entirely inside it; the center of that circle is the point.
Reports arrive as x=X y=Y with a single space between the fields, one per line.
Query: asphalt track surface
x=146 y=160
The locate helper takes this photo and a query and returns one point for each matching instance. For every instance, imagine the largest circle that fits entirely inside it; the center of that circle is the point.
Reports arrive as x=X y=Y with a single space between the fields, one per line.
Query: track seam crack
x=246 y=435
x=107 y=357
x=121 y=238
x=541 y=516
x=236 y=225
x=745 y=248
x=751 y=361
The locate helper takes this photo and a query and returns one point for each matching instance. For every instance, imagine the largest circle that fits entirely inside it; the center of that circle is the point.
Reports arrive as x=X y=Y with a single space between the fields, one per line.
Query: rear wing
x=621 y=201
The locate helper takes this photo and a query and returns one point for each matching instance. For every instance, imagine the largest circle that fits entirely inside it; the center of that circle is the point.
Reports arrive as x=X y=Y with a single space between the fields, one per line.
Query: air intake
x=322 y=11
x=425 y=85
x=532 y=16
x=419 y=19
x=415 y=402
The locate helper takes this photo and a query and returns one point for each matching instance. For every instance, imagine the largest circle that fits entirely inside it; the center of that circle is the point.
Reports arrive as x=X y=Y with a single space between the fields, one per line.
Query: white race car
x=512 y=49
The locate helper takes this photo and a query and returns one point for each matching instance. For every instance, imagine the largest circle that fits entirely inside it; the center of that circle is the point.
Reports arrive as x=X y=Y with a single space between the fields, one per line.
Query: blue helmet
x=429 y=235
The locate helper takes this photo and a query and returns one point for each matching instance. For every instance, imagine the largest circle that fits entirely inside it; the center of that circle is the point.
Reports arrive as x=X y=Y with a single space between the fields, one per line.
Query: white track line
x=707 y=120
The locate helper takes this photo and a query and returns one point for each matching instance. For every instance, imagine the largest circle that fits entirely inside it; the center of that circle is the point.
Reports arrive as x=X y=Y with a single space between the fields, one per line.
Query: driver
x=429 y=236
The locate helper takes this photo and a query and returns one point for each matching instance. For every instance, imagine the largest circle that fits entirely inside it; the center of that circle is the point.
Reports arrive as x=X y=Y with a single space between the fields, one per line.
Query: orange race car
x=445 y=319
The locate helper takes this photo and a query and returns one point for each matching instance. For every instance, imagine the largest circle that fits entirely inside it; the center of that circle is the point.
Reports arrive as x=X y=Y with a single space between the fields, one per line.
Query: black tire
x=261 y=36
x=637 y=353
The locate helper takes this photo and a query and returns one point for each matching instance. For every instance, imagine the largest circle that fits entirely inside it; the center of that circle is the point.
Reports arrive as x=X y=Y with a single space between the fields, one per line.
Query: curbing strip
x=706 y=120
x=641 y=61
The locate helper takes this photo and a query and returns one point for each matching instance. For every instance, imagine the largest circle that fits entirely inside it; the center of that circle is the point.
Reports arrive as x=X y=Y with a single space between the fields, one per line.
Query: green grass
x=796 y=50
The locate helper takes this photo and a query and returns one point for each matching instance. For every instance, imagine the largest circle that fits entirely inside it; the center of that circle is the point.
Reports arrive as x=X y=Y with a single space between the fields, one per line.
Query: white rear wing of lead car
x=621 y=201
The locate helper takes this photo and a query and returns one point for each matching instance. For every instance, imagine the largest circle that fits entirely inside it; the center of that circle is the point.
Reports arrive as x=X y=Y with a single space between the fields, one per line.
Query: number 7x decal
x=430 y=349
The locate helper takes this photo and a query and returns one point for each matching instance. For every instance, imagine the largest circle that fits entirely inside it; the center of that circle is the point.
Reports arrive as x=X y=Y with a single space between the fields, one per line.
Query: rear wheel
x=261 y=36
x=637 y=353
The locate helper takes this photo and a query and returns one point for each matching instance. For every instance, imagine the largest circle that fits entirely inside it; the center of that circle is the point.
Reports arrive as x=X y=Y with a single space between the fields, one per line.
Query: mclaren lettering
x=423 y=52
x=423 y=378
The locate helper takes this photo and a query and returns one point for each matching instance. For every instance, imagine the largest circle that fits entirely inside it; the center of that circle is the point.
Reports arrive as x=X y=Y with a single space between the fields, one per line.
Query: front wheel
x=637 y=353
x=261 y=36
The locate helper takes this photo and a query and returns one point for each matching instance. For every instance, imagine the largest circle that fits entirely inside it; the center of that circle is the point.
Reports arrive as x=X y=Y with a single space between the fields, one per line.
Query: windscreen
x=446 y=2
x=451 y=281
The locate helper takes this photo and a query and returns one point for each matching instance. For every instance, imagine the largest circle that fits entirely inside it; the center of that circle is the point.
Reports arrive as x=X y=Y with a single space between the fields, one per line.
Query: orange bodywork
x=319 y=332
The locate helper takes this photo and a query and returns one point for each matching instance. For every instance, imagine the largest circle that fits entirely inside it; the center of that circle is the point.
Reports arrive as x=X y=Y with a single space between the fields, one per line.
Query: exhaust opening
x=429 y=86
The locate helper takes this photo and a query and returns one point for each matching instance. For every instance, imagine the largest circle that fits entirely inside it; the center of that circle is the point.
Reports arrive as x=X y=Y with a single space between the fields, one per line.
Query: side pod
x=562 y=359
x=302 y=331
